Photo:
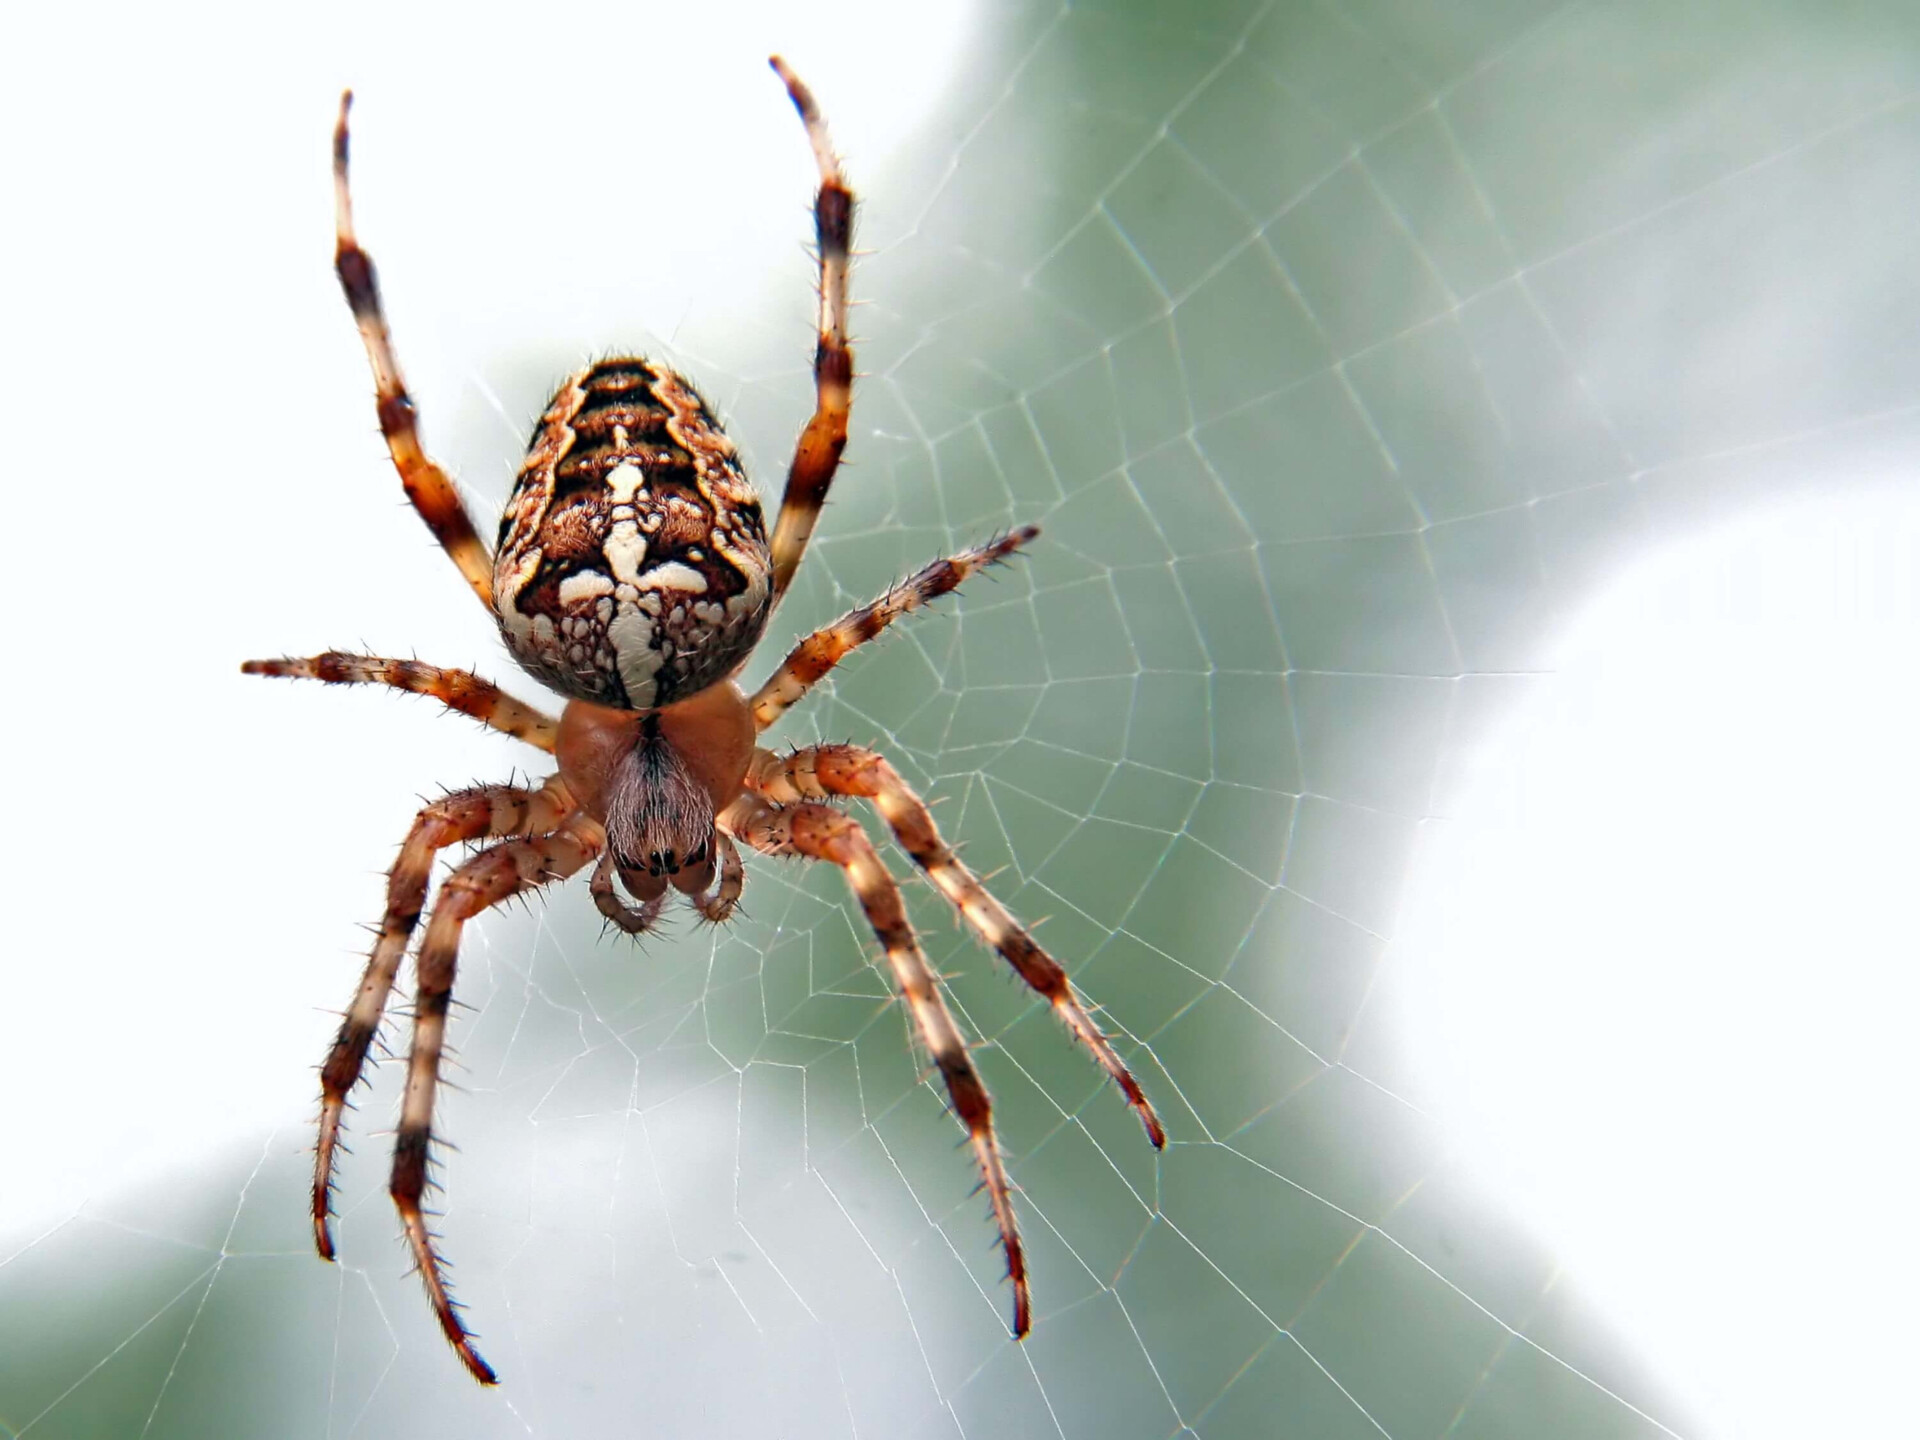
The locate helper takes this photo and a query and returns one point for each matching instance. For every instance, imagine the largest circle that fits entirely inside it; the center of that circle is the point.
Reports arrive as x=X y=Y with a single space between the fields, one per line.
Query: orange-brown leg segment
x=824 y=771
x=456 y=689
x=632 y=920
x=817 y=455
x=484 y=881
x=427 y=485
x=814 y=656
x=481 y=813
x=716 y=905
x=820 y=832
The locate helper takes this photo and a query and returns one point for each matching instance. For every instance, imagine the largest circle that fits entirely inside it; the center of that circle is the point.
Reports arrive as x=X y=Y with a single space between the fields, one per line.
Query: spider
x=633 y=574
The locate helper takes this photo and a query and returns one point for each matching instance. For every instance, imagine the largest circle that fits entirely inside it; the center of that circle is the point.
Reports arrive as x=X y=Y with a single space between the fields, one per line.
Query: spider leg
x=456 y=689
x=426 y=484
x=817 y=455
x=824 y=771
x=821 y=832
x=482 y=882
x=484 y=812
x=813 y=657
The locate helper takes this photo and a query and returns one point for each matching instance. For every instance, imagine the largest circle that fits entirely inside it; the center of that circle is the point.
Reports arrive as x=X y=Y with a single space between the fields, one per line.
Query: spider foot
x=411 y=1158
x=1000 y=1197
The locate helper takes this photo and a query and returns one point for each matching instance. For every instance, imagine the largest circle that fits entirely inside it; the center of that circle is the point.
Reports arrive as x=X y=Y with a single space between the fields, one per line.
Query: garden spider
x=633 y=575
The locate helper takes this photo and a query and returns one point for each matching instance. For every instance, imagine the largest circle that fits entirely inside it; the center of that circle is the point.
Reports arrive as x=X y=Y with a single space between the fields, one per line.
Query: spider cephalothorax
x=656 y=780
x=633 y=574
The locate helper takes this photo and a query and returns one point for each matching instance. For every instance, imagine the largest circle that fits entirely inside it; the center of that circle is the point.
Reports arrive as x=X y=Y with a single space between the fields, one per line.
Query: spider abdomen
x=632 y=568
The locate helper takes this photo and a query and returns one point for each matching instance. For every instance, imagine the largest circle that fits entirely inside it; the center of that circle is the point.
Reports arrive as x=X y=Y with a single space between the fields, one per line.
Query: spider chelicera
x=633 y=575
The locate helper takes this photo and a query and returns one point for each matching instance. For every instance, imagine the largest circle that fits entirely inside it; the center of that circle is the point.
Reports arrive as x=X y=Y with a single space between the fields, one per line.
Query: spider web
x=1350 y=356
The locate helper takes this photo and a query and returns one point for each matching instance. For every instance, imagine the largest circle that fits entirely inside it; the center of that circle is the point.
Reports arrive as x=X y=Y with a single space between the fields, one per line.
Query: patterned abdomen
x=632 y=566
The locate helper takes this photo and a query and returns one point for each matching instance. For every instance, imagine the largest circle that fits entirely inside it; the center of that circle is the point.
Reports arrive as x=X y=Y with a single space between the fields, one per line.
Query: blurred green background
x=1343 y=351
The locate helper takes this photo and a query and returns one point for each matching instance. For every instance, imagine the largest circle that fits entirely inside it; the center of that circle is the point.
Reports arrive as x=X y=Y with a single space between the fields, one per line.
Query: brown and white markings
x=633 y=574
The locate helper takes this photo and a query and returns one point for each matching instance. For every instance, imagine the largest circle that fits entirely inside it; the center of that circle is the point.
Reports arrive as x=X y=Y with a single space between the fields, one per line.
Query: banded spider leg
x=816 y=456
x=427 y=485
x=820 y=832
x=494 y=875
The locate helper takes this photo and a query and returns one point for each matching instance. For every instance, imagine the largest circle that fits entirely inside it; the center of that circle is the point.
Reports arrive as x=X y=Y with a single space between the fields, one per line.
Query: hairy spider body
x=655 y=780
x=632 y=568
x=633 y=574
